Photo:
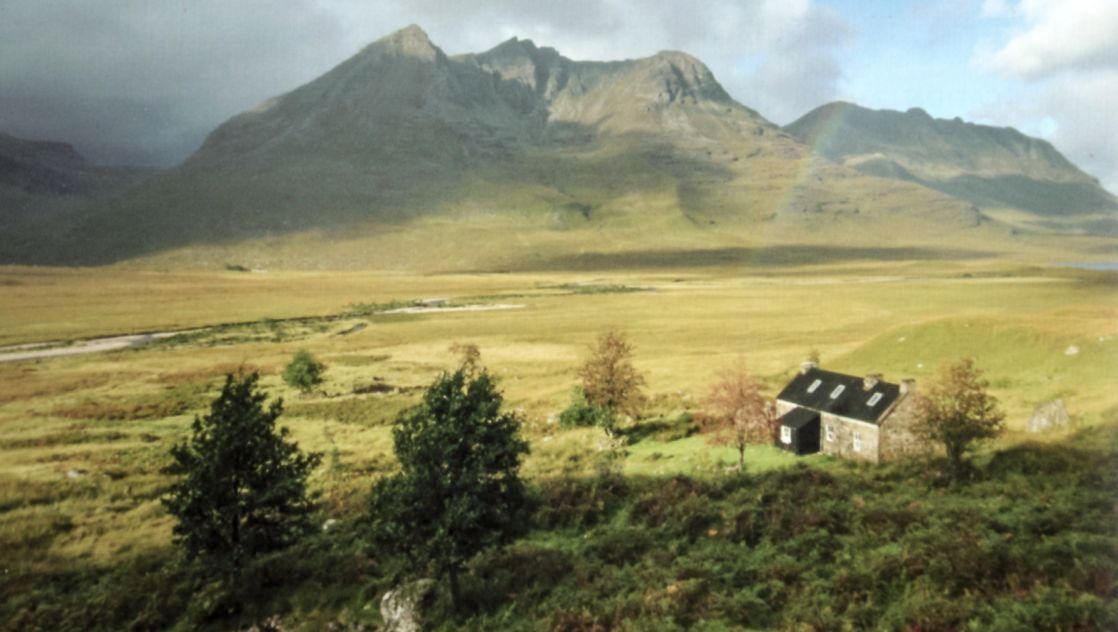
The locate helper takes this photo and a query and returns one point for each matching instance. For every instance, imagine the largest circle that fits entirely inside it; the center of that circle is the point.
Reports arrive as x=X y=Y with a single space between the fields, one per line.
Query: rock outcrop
x=1049 y=415
x=402 y=608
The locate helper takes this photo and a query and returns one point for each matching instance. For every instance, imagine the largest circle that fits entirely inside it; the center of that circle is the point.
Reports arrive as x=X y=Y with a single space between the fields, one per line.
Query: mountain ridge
x=389 y=157
x=995 y=168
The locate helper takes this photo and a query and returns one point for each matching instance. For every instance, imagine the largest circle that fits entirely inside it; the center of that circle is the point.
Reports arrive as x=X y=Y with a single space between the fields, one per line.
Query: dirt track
x=35 y=351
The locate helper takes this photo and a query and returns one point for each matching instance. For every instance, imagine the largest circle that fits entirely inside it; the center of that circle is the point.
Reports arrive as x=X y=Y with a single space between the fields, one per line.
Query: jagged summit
x=684 y=76
x=409 y=41
x=514 y=45
x=403 y=95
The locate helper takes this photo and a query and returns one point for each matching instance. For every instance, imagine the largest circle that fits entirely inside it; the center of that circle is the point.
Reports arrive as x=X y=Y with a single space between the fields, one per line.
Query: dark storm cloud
x=142 y=82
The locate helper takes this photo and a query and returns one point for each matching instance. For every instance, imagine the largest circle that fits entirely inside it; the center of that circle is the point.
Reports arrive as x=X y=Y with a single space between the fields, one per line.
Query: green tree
x=242 y=487
x=304 y=372
x=609 y=379
x=458 y=491
x=957 y=411
x=739 y=413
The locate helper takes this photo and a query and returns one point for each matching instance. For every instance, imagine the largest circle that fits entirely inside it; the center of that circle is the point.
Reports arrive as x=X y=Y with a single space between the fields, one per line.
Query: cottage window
x=785 y=435
x=876 y=397
x=857 y=442
x=830 y=432
x=814 y=385
x=838 y=391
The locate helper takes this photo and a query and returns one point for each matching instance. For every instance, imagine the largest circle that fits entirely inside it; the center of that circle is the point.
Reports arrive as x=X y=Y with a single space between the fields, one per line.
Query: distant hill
x=45 y=184
x=991 y=167
x=402 y=156
x=36 y=174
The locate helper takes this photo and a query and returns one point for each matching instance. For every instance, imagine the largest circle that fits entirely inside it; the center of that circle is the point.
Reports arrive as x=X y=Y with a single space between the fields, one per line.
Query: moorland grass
x=1028 y=544
x=83 y=445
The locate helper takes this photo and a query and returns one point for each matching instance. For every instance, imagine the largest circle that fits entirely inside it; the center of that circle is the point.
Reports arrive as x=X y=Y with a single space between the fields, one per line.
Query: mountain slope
x=389 y=159
x=994 y=168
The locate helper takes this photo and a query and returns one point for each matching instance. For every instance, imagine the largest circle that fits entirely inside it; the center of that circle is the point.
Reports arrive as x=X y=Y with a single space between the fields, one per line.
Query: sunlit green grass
x=696 y=456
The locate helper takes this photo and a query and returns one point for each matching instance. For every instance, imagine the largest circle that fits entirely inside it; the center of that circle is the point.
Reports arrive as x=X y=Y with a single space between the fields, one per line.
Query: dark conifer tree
x=242 y=489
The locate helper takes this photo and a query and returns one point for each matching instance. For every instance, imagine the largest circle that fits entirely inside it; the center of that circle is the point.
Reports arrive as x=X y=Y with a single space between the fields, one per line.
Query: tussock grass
x=19 y=383
x=210 y=374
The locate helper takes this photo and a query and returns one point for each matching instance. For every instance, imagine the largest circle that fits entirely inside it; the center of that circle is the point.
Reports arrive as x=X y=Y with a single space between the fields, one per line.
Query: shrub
x=581 y=413
x=304 y=372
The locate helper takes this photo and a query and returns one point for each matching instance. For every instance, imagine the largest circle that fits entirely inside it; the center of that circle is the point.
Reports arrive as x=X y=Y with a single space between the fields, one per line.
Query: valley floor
x=84 y=440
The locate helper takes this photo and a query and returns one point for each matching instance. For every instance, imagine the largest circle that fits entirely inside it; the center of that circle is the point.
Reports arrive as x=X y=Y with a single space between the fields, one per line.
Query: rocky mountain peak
x=514 y=46
x=410 y=41
x=678 y=76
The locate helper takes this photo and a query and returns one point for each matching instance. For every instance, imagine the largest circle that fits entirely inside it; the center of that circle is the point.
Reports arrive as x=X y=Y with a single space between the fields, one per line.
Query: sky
x=142 y=82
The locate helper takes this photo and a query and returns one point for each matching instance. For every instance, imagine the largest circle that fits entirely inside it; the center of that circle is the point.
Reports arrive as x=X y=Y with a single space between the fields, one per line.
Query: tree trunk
x=955 y=460
x=455 y=593
x=741 y=457
x=235 y=535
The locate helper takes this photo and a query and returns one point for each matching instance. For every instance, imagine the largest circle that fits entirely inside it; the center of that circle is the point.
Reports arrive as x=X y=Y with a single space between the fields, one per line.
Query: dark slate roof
x=798 y=417
x=853 y=402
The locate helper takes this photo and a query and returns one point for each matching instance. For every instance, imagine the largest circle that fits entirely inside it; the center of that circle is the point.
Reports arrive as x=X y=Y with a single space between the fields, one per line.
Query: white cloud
x=1059 y=35
x=1066 y=54
x=1083 y=111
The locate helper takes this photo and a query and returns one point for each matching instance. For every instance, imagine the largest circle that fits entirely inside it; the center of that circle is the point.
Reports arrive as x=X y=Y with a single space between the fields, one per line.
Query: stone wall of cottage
x=893 y=440
x=842 y=445
x=899 y=439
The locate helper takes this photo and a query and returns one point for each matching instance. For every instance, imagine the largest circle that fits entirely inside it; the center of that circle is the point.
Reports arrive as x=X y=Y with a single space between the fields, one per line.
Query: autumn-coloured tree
x=609 y=379
x=957 y=411
x=469 y=354
x=738 y=413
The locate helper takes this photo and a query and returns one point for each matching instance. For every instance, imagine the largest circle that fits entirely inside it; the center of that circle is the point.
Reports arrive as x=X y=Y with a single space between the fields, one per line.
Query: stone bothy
x=861 y=418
